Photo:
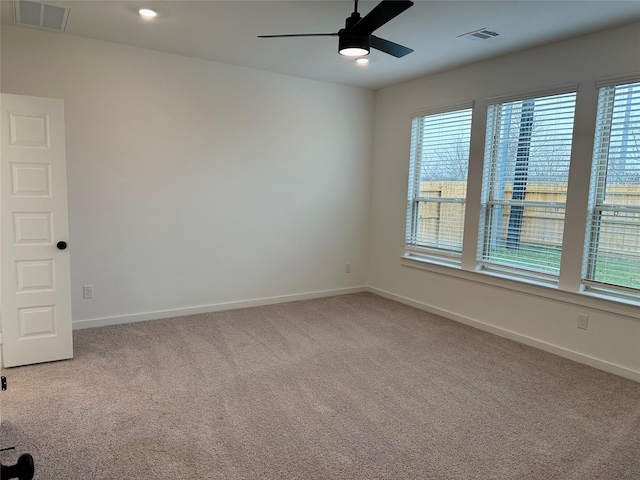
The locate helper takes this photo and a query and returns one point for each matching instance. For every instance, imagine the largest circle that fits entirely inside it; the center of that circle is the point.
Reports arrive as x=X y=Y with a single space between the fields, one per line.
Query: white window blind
x=438 y=184
x=612 y=256
x=526 y=168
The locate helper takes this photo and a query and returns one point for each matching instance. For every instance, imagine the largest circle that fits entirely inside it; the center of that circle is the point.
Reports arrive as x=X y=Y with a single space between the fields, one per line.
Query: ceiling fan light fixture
x=354 y=52
x=351 y=46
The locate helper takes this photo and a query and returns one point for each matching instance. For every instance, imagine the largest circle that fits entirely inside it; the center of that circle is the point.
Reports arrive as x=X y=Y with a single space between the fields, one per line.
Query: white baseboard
x=547 y=347
x=217 y=307
x=532 y=342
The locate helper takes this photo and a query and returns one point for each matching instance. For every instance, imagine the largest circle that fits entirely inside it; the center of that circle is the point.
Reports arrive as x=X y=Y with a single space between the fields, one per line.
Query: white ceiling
x=225 y=31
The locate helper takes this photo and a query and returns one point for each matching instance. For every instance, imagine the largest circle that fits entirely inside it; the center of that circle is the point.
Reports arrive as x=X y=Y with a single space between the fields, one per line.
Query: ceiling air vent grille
x=481 y=34
x=41 y=15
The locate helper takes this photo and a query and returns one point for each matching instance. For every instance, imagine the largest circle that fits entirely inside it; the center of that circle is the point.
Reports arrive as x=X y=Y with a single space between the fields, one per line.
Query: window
x=526 y=169
x=524 y=187
x=438 y=184
x=612 y=255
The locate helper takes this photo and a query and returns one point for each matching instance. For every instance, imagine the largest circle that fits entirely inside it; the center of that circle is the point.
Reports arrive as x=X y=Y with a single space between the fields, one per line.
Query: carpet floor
x=349 y=387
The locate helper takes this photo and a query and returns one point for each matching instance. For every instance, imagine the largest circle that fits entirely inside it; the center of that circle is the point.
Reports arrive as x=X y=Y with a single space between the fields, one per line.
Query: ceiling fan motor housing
x=347 y=39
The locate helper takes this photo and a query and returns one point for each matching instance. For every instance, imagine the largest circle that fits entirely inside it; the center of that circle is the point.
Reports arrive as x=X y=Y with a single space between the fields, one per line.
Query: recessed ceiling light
x=147 y=13
x=362 y=61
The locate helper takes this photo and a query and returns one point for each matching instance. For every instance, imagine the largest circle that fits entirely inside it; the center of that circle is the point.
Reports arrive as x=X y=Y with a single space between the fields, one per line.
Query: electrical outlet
x=583 y=321
x=347 y=268
x=87 y=291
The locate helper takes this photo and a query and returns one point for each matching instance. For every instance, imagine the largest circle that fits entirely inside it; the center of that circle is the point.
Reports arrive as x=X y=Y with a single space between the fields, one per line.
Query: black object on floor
x=22 y=470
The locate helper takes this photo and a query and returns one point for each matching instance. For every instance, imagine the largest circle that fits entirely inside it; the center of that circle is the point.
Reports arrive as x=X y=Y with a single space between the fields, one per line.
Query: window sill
x=589 y=300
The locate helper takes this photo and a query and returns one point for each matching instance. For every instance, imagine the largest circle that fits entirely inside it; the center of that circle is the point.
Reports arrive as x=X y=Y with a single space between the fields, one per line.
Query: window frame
x=597 y=203
x=412 y=247
x=568 y=289
x=489 y=204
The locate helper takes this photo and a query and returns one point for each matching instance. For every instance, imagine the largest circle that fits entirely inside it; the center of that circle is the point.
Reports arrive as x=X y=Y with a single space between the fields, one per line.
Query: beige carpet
x=351 y=387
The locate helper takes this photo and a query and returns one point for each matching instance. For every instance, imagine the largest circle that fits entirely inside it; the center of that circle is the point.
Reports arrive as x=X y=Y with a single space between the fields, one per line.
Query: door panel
x=35 y=305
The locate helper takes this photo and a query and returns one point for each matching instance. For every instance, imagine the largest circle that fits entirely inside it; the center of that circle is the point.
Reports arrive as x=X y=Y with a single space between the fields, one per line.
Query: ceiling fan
x=356 y=39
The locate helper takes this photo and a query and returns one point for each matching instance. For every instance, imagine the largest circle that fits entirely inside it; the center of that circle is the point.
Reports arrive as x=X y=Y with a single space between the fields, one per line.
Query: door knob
x=61 y=245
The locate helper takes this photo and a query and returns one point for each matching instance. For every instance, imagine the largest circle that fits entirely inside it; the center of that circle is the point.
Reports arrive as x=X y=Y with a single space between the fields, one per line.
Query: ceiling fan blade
x=391 y=48
x=300 y=35
x=381 y=14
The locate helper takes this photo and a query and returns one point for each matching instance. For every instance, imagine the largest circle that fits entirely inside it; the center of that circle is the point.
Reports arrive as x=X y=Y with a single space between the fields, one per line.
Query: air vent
x=41 y=15
x=481 y=34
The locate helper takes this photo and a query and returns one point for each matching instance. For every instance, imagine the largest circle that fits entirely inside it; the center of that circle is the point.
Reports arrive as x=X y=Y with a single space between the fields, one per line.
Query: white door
x=35 y=292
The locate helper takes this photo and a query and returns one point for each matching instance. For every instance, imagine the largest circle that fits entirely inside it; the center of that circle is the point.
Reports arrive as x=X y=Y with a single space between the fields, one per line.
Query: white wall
x=193 y=183
x=538 y=316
